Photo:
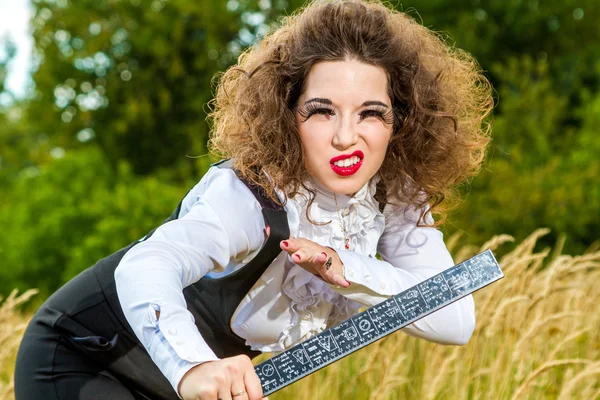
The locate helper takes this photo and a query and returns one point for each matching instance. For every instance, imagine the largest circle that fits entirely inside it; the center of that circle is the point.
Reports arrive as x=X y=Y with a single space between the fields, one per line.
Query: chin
x=347 y=188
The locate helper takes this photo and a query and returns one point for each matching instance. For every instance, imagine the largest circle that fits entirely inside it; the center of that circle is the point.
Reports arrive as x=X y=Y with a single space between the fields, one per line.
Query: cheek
x=308 y=148
x=314 y=138
x=385 y=144
x=379 y=142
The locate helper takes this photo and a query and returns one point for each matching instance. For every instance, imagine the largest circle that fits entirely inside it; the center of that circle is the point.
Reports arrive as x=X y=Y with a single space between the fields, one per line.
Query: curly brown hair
x=439 y=95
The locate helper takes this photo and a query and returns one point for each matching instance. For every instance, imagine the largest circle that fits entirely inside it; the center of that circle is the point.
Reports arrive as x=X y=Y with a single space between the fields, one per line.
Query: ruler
x=378 y=321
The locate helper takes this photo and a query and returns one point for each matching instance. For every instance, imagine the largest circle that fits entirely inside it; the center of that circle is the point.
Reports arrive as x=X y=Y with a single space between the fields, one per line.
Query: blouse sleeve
x=411 y=254
x=222 y=224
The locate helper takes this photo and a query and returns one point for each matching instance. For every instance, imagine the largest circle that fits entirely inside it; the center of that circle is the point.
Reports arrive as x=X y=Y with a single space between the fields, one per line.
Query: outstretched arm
x=410 y=254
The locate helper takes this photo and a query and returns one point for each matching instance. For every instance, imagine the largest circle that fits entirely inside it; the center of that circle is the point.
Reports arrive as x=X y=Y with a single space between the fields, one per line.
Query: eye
x=384 y=114
x=311 y=109
x=371 y=113
x=321 y=111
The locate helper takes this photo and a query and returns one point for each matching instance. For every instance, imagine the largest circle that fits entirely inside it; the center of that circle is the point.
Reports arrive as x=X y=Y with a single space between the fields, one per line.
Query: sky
x=14 y=20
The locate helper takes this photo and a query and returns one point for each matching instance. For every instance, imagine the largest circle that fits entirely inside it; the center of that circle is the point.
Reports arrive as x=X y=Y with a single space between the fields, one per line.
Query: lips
x=339 y=164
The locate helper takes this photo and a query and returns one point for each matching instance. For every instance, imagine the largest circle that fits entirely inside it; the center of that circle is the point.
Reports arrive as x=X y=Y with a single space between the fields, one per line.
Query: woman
x=352 y=122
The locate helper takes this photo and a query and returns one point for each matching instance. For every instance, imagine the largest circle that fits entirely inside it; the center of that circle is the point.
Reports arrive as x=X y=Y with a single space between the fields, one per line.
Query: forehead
x=347 y=81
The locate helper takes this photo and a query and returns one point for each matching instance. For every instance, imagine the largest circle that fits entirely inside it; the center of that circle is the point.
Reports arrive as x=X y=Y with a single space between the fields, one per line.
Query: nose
x=346 y=134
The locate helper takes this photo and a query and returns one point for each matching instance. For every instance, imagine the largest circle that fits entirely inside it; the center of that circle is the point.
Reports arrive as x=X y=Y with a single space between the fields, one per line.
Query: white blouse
x=220 y=228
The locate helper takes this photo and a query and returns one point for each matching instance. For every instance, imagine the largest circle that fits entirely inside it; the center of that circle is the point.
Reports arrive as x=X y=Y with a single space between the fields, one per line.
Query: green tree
x=134 y=76
x=121 y=92
x=96 y=157
x=73 y=212
x=542 y=58
x=19 y=150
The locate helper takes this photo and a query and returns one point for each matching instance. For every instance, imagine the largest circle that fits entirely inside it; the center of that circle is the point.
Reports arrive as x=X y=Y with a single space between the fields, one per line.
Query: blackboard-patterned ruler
x=378 y=321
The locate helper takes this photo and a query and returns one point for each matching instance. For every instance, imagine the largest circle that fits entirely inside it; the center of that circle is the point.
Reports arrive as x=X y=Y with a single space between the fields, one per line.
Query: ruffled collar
x=327 y=200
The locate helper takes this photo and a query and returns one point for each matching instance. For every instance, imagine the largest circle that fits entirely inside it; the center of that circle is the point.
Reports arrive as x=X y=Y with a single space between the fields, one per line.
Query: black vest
x=212 y=302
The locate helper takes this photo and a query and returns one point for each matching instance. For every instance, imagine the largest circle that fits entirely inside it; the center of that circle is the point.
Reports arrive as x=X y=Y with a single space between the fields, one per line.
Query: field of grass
x=537 y=337
x=12 y=325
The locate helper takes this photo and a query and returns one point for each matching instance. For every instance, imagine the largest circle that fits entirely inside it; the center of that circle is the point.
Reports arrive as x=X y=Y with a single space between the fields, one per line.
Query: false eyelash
x=311 y=108
x=386 y=115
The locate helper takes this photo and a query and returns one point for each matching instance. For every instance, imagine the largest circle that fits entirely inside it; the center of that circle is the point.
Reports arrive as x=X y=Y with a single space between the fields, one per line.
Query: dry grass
x=537 y=337
x=12 y=326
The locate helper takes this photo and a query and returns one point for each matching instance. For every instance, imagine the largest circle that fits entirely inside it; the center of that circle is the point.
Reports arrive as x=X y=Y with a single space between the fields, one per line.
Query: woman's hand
x=231 y=378
x=316 y=259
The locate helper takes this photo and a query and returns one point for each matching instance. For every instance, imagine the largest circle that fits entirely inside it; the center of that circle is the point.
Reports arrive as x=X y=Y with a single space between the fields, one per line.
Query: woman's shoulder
x=221 y=194
x=398 y=213
x=221 y=188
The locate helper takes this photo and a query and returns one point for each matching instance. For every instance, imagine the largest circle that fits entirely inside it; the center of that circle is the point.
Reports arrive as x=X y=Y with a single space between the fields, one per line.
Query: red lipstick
x=350 y=170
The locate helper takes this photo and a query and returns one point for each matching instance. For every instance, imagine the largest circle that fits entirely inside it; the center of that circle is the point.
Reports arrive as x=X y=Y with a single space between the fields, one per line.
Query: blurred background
x=103 y=106
x=103 y=129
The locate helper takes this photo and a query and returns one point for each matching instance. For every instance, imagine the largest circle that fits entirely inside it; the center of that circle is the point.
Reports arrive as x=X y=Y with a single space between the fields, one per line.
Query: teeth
x=347 y=162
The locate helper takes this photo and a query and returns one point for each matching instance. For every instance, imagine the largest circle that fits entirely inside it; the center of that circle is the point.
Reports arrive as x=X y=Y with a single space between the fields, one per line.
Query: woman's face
x=344 y=117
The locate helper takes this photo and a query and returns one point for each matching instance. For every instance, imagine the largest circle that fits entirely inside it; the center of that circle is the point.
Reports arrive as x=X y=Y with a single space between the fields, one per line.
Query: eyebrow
x=374 y=103
x=323 y=100
x=319 y=100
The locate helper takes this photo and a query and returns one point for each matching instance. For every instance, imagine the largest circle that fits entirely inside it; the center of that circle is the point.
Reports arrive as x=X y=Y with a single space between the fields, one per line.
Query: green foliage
x=542 y=167
x=529 y=177
x=73 y=212
x=563 y=32
x=136 y=75
x=122 y=88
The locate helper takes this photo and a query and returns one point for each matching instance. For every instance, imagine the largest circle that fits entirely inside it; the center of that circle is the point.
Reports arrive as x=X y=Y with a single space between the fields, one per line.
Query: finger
x=223 y=394
x=285 y=246
x=323 y=263
x=223 y=384
x=317 y=258
x=330 y=273
x=268 y=230
x=338 y=279
x=253 y=386
x=239 y=393
x=321 y=259
x=290 y=245
x=300 y=256
x=296 y=244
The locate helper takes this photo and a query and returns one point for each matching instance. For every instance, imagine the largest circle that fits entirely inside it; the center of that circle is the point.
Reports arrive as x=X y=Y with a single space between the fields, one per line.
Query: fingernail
x=297 y=257
x=285 y=243
x=325 y=254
